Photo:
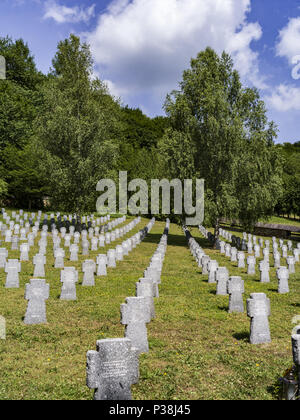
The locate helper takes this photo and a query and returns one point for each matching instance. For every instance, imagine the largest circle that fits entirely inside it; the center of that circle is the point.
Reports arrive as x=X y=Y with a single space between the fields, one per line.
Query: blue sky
x=141 y=47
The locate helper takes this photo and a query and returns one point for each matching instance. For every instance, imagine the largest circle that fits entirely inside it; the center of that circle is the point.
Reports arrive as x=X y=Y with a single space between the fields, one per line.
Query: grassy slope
x=197 y=349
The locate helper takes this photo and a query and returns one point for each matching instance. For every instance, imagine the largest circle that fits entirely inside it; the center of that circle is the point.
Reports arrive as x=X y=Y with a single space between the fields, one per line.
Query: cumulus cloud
x=64 y=14
x=143 y=46
x=285 y=98
x=288 y=45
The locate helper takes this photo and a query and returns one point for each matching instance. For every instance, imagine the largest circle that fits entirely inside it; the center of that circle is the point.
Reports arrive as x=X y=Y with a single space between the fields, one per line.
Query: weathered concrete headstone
x=259 y=310
x=102 y=265
x=74 y=252
x=89 y=269
x=212 y=268
x=39 y=262
x=283 y=280
x=36 y=292
x=264 y=269
x=296 y=354
x=241 y=259
x=111 y=258
x=112 y=369
x=145 y=289
x=3 y=257
x=236 y=289
x=24 y=248
x=59 y=255
x=222 y=278
x=251 y=261
x=291 y=264
x=135 y=314
x=69 y=278
x=12 y=269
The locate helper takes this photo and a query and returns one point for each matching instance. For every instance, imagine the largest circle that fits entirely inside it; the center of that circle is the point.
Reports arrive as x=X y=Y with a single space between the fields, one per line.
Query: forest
x=61 y=132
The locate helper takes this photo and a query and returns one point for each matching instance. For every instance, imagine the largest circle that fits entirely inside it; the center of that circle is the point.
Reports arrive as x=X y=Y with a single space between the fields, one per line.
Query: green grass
x=197 y=349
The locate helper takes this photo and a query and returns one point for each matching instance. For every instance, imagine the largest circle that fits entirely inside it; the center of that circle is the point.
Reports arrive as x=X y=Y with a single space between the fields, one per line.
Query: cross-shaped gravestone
x=69 y=277
x=89 y=269
x=222 y=277
x=39 y=262
x=259 y=310
x=145 y=289
x=36 y=292
x=112 y=369
x=135 y=314
x=12 y=269
x=235 y=290
x=102 y=265
x=283 y=280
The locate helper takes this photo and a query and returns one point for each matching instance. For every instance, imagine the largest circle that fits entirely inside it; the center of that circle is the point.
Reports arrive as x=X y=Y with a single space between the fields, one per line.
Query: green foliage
x=19 y=105
x=290 y=199
x=75 y=130
x=20 y=65
x=220 y=133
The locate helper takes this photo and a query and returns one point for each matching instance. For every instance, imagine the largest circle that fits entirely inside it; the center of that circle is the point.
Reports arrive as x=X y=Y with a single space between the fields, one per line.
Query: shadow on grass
x=275 y=390
x=242 y=336
x=178 y=240
x=223 y=308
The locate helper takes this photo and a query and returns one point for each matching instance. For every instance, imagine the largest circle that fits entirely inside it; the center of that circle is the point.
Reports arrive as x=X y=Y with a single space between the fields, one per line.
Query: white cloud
x=143 y=46
x=285 y=98
x=288 y=45
x=64 y=14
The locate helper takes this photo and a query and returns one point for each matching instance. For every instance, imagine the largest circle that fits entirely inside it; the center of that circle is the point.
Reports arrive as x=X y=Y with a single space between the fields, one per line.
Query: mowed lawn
x=197 y=349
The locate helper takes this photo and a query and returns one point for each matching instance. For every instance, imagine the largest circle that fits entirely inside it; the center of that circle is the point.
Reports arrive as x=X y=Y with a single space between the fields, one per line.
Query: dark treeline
x=289 y=202
x=62 y=132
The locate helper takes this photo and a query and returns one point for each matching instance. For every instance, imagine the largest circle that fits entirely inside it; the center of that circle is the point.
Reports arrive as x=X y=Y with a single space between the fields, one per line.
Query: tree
x=19 y=104
x=219 y=132
x=290 y=199
x=76 y=130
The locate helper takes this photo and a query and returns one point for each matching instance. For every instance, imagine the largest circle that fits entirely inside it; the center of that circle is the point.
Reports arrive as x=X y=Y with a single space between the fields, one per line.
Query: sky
x=141 y=47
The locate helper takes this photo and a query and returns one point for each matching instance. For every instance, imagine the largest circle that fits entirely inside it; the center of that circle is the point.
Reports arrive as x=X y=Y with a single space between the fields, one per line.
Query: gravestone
x=205 y=261
x=264 y=269
x=145 y=289
x=251 y=261
x=222 y=278
x=111 y=258
x=36 y=292
x=283 y=280
x=119 y=253
x=85 y=247
x=102 y=264
x=113 y=369
x=277 y=259
x=39 y=262
x=12 y=269
x=24 y=248
x=69 y=278
x=233 y=253
x=89 y=269
x=241 y=259
x=74 y=252
x=59 y=255
x=235 y=290
x=291 y=264
x=296 y=354
x=257 y=251
x=135 y=314
x=259 y=310
x=212 y=268
x=3 y=257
